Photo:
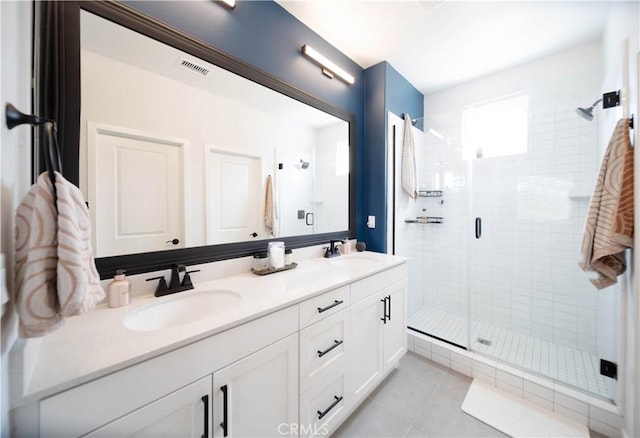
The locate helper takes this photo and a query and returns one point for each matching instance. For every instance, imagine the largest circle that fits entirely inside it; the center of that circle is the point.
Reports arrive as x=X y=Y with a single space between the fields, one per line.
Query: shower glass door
x=530 y=304
x=516 y=167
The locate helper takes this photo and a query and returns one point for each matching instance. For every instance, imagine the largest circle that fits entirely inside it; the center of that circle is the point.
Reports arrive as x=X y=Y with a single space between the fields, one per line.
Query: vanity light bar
x=329 y=67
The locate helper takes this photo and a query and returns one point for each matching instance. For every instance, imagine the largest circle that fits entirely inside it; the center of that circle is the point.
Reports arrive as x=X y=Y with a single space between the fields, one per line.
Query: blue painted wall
x=265 y=35
x=385 y=90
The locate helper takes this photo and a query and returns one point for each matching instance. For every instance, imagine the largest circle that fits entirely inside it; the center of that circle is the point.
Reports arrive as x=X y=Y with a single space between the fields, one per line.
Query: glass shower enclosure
x=505 y=181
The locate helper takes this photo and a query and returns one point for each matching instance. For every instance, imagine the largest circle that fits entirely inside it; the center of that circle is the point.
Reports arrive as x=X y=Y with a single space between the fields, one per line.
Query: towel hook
x=52 y=152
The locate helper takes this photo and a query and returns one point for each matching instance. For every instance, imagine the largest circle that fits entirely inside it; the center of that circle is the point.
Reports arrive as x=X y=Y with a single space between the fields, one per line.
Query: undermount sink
x=181 y=310
x=353 y=261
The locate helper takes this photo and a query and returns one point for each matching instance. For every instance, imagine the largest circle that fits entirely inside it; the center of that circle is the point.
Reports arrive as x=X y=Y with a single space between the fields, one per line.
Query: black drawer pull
x=205 y=400
x=333 y=405
x=330 y=306
x=224 y=425
x=335 y=344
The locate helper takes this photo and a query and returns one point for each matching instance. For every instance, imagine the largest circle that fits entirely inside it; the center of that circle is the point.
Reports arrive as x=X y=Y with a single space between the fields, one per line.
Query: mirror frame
x=65 y=81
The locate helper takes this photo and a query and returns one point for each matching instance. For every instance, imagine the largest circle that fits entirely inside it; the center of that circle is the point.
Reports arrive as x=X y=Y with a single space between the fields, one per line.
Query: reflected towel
x=55 y=274
x=270 y=208
x=409 y=176
x=608 y=229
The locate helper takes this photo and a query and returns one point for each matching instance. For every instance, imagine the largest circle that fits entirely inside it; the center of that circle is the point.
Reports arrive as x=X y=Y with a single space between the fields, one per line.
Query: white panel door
x=234 y=197
x=258 y=396
x=183 y=413
x=136 y=191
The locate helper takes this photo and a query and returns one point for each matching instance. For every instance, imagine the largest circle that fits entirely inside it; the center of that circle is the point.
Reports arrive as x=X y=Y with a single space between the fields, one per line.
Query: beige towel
x=408 y=173
x=270 y=215
x=608 y=229
x=55 y=274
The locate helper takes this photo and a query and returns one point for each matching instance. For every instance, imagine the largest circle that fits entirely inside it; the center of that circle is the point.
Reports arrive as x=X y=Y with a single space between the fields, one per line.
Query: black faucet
x=175 y=285
x=333 y=250
x=175 y=275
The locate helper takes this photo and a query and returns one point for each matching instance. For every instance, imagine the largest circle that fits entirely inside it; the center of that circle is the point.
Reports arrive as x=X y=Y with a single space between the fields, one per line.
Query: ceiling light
x=228 y=3
x=330 y=68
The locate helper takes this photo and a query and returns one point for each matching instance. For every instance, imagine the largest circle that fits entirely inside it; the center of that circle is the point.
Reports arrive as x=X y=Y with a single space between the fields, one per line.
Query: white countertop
x=97 y=343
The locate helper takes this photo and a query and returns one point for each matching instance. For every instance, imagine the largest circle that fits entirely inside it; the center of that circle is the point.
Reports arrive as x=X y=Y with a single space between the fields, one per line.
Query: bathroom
x=263 y=35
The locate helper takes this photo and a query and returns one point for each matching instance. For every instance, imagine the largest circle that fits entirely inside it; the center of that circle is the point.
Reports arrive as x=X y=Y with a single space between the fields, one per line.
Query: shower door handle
x=308 y=219
x=478 y=227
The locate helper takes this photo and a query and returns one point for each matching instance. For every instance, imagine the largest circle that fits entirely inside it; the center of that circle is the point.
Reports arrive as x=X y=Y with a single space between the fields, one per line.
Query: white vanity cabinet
x=258 y=396
x=378 y=321
x=257 y=359
x=296 y=371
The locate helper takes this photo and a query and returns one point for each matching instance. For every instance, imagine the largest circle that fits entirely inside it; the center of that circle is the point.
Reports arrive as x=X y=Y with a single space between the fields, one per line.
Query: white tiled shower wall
x=316 y=189
x=523 y=273
x=331 y=195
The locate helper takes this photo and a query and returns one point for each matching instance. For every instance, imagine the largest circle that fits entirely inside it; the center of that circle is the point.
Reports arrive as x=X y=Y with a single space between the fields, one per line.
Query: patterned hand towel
x=608 y=229
x=55 y=274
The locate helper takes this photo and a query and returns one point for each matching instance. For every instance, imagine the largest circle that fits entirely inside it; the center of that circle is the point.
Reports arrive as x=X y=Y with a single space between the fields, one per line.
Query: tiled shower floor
x=564 y=364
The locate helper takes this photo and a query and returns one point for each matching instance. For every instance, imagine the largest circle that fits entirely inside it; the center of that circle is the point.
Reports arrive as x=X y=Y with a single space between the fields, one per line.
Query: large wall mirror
x=184 y=159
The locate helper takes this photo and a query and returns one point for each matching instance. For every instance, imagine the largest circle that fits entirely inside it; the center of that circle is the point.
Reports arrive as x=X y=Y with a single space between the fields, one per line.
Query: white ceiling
x=123 y=45
x=437 y=44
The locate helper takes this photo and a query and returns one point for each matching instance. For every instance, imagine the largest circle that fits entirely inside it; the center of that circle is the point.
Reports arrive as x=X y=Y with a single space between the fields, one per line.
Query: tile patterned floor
x=563 y=364
x=418 y=399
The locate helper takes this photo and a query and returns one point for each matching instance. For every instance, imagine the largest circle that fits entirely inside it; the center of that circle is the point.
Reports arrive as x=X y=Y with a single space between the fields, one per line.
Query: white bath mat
x=517 y=417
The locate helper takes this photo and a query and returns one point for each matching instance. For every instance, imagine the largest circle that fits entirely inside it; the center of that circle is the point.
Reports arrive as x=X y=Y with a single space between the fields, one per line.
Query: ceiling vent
x=194 y=67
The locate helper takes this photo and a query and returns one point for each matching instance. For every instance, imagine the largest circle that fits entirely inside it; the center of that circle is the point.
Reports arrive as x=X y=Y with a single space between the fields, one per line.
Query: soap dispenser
x=119 y=290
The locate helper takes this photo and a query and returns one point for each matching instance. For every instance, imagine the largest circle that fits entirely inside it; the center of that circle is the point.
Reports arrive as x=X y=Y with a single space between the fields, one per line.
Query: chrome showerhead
x=587 y=113
x=304 y=164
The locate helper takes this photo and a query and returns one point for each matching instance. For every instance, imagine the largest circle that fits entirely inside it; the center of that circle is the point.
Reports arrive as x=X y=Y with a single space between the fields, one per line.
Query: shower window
x=495 y=129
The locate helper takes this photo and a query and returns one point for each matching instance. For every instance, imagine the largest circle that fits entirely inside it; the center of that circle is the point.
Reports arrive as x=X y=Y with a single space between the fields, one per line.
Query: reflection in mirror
x=176 y=152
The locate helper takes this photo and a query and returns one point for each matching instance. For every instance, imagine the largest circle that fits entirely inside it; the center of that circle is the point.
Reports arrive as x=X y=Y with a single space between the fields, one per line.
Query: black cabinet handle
x=333 y=405
x=330 y=306
x=224 y=425
x=478 y=227
x=335 y=344
x=205 y=400
x=173 y=241
x=389 y=314
x=384 y=312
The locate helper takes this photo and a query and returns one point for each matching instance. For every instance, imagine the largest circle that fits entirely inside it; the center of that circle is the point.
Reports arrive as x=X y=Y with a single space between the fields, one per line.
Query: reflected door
x=136 y=182
x=234 y=198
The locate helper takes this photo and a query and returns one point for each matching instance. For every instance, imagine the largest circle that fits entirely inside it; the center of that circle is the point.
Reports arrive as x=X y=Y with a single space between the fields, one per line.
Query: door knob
x=253 y=234
x=174 y=241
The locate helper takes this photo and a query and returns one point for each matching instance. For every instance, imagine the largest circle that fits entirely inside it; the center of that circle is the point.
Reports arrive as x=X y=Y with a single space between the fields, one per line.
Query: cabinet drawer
x=329 y=399
x=323 y=306
x=324 y=347
x=370 y=285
